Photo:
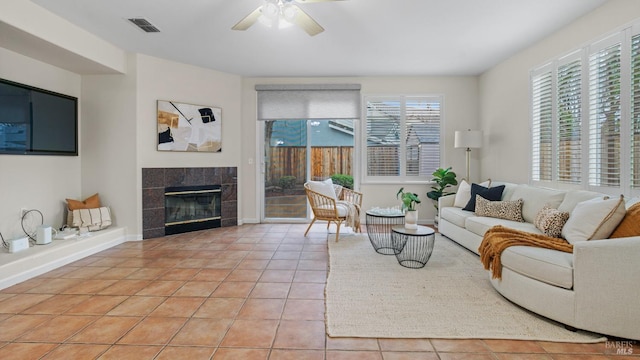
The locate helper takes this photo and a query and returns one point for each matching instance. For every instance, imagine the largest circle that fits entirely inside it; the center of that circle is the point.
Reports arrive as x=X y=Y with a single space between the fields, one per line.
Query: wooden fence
x=292 y=161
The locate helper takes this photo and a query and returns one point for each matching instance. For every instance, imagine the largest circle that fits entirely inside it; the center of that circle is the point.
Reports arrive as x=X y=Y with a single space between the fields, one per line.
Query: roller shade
x=330 y=101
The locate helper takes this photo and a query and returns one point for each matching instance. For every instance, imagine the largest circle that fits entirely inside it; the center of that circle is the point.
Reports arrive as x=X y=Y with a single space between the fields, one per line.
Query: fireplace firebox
x=192 y=208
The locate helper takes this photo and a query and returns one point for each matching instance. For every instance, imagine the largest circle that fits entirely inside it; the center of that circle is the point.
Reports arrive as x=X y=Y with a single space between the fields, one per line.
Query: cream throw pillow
x=594 y=219
x=463 y=195
x=323 y=187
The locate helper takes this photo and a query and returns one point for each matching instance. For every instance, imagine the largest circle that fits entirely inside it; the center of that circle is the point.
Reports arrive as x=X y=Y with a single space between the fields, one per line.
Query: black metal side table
x=379 y=223
x=413 y=247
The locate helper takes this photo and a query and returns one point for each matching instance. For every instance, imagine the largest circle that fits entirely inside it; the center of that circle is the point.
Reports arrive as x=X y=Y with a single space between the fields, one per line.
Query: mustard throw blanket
x=498 y=238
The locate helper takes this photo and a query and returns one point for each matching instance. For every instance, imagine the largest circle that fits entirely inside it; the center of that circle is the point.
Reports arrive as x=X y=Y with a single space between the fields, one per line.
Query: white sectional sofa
x=595 y=288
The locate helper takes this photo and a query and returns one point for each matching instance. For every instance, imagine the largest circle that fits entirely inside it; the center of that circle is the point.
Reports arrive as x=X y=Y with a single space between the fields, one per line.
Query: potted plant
x=442 y=178
x=409 y=202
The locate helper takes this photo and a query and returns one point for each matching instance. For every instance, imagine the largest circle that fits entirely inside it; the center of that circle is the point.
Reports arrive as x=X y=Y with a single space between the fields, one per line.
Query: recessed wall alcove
x=156 y=180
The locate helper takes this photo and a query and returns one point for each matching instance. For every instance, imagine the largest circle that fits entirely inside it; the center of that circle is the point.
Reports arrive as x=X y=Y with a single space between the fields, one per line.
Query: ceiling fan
x=280 y=13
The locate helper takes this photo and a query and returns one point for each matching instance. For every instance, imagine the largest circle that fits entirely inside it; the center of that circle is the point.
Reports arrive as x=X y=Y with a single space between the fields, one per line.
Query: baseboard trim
x=39 y=259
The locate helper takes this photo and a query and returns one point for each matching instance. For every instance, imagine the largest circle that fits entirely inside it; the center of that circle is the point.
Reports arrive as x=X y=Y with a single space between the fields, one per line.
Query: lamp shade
x=468 y=139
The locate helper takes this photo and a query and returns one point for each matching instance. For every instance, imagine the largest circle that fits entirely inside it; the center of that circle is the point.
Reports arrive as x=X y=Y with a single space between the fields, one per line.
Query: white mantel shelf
x=39 y=259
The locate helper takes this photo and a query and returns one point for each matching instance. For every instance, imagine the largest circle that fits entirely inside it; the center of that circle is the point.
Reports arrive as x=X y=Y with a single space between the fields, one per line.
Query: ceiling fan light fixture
x=289 y=12
x=271 y=9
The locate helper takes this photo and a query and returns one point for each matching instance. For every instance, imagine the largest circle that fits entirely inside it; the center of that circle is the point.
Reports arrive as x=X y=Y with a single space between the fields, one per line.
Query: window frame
x=623 y=37
x=402 y=178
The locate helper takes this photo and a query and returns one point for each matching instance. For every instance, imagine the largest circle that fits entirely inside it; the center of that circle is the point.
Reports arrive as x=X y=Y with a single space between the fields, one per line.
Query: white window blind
x=308 y=101
x=422 y=136
x=541 y=127
x=403 y=136
x=604 y=116
x=383 y=137
x=635 y=112
x=569 y=143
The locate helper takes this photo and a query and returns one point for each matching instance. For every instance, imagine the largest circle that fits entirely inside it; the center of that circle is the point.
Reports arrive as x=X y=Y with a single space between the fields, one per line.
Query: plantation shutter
x=383 y=137
x=635 y=112
x=403 y=136
x=569 y=122
x=604 y=116
x=541 y=127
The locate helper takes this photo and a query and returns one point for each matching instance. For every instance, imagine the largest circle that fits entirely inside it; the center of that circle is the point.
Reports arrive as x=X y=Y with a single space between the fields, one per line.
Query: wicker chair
x=327 y=209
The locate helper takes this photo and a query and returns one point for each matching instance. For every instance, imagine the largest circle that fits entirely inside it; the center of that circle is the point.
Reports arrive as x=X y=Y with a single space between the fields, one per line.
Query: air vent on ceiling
x=144 y=25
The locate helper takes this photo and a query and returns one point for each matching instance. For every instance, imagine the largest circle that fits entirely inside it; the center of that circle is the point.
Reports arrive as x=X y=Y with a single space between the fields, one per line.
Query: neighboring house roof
x=323 y=133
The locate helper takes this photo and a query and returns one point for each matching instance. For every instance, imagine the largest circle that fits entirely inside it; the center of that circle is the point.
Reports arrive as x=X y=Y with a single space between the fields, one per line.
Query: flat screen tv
x=37 y=122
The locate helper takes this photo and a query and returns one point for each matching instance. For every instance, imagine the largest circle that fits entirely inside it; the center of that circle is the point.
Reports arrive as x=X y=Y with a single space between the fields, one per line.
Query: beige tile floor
x=248 y=292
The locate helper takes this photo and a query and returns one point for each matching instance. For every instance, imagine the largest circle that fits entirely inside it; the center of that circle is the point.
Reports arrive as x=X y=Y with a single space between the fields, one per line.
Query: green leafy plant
x=443 y=178
x=287 y=182
x=409 y=199
x=343 y=179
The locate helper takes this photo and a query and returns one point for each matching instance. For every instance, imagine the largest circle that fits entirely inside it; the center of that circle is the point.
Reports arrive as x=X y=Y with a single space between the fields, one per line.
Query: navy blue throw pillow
x=491 y=194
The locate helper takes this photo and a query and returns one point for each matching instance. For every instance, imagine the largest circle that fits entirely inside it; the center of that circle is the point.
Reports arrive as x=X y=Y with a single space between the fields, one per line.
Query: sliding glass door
x=296 y=151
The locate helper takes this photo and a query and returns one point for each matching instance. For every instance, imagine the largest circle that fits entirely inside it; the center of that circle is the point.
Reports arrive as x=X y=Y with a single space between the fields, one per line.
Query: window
x=635 y=112
x=569 y=124
x=585 y=116
x=604 y=116
x=542 y=105
x=402 y=137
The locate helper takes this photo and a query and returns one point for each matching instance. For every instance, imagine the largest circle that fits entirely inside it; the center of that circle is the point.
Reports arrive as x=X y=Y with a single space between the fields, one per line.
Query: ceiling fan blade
x=303 y=20
x=248 y=20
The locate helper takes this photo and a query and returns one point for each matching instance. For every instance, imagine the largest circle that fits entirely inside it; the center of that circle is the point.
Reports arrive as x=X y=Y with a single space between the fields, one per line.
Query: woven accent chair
x=327 y=209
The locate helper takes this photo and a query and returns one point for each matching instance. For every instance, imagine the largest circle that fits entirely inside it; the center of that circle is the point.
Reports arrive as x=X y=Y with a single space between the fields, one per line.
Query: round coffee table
x=379 y=223
x=413 y=247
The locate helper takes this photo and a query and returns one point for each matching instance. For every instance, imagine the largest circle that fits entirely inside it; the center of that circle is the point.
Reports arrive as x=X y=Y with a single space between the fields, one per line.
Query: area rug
x=370 y=295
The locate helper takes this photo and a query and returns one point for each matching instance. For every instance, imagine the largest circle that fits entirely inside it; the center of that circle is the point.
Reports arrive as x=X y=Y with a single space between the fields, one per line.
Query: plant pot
x=411 y=219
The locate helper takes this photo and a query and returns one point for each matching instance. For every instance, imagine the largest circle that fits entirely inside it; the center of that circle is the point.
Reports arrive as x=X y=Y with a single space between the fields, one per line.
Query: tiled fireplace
x=156 y=182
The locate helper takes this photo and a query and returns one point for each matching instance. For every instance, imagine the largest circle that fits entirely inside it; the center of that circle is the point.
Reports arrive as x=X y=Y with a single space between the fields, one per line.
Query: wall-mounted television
x=37 y=122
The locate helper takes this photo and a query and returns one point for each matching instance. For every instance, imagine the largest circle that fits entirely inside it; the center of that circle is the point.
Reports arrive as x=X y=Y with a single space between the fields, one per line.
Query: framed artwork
x=189 y=127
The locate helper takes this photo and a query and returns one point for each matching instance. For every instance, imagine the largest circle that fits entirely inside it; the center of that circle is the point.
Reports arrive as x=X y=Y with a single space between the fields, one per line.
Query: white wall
x=37 y=181
x=504 y=90
x=460 y=112
x=159 y=79
x=109 y=148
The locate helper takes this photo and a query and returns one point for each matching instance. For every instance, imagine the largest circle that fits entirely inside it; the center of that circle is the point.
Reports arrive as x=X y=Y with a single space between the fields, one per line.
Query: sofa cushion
x=463 y=195
x=492 y=194
x=551 y=221
x=507 y=193
x=546 y=265
x=480 y=224
x=508 y=210
x=573 y=197
x=594 y=219
x=630 y=225
x=343 y=209
x=535 y=198
x=455 y=215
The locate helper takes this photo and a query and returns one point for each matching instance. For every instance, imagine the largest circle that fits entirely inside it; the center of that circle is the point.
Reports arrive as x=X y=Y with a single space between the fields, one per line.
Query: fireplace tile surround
x=154 y=181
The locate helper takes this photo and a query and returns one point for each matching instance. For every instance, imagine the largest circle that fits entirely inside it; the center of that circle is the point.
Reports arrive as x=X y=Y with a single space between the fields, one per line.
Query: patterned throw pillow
x=550 y=221
x=508 y=210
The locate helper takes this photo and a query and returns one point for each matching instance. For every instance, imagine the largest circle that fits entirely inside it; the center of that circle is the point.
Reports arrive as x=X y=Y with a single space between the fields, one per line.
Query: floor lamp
x=468 y=139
